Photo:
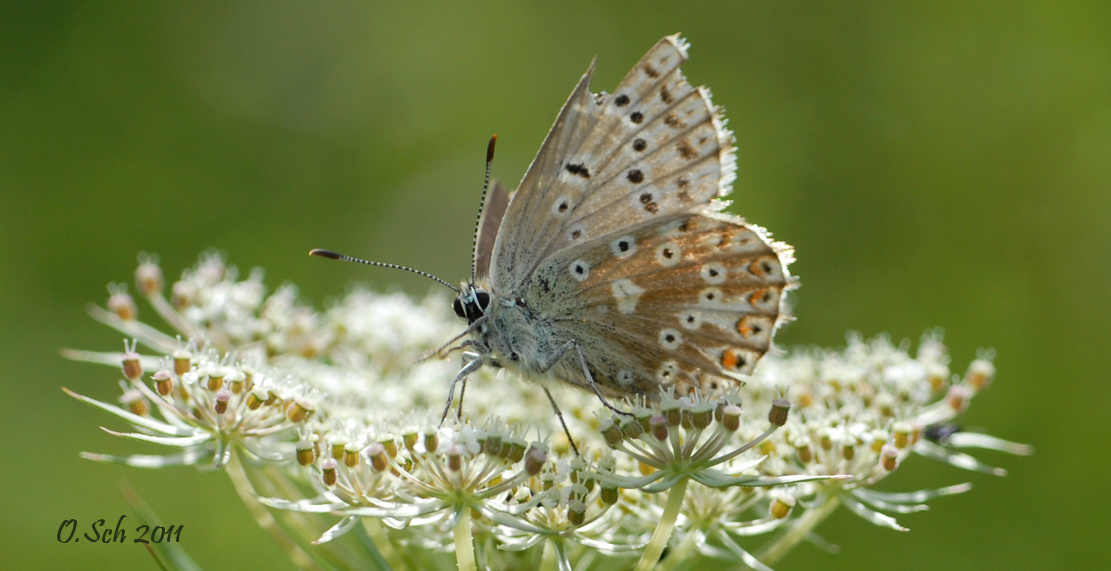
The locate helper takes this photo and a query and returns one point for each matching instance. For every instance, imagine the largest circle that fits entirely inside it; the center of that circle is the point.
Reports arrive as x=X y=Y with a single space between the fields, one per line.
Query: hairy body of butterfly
x=612 y=267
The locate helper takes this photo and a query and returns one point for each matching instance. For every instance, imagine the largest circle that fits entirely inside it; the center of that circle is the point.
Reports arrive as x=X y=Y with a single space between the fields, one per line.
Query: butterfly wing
x=689 y=300
x=652 y=148
x=493 y=210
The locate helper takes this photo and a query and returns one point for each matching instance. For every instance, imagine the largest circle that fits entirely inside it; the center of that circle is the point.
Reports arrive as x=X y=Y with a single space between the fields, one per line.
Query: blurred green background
x=935 y=164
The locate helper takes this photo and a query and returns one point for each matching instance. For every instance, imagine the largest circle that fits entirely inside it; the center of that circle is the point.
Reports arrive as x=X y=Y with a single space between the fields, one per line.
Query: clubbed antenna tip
x=325 y=254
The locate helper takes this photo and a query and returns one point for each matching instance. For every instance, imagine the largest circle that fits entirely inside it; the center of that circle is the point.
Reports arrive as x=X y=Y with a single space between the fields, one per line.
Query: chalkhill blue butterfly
x=613 y=267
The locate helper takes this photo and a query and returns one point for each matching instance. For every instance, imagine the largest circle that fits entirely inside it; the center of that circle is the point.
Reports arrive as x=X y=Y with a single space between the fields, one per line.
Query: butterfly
x=613 y=267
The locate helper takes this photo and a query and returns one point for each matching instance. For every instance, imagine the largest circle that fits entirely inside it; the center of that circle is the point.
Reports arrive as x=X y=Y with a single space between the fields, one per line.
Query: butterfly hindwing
x=690 y=300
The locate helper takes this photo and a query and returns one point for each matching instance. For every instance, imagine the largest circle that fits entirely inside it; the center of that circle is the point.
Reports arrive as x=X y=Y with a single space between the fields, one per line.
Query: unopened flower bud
x=879 y=437
x=328 y=471
x=825 y=440
x=431 y=440
x=297 y=411
x=455 y=457
x=778 y=414
x=611 y=433
x=685 y=419
x=902 y=432
x=804 y=450
x=886 y=405
x=937 y=375
x=958 y=398
x=631 y=428
x=889 y=457
x=236 y=380
x=121 y=303
x=379 y=460
x=673 y=414
x=731 y=417
x=223 y=396
x=409 y=439
x=781 y=506
x=576 y=512
x=702 y=417
x=183 y=361
x=132 y=367
x=516 y=450
x=148 y=278
x=980 y=374
x=305 y=452
x=848 y=449
x=493 y=445
x=135 y=402
x=216 y=379
x=351 y=455
x=256 y=398
x=535 y=459
x=248 y=378
x=163 y=382
x=182 y=295
x=658 y=426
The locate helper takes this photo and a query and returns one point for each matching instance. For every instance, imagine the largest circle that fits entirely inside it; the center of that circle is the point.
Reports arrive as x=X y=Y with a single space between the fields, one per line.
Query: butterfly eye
x=483 y=299
x=458 y=307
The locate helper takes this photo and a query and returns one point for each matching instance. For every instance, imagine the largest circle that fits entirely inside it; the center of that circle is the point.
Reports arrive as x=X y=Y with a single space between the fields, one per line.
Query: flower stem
x=801 y=528
x=679 y=555
x=246 y=491
x=464 y=543
x=651 y=555
x=548 y=557
x=377 y=534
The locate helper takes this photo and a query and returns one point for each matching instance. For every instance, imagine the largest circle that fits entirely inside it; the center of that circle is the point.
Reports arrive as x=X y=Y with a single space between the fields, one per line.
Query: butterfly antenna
x=485 y=188
x=334 y=256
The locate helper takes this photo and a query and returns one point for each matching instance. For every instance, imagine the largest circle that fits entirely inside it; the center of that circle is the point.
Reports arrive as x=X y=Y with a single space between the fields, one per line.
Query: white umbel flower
x=328 y=417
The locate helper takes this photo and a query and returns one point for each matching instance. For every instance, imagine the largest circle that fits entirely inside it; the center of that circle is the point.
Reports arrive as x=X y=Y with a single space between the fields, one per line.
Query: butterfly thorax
x=506 y=331
x=520 y=338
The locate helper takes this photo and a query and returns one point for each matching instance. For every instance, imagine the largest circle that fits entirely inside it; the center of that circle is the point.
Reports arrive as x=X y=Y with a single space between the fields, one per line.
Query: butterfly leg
x=443 y=350
x=593 y=385
x=586 y=373
x=559 y=415
x=462 y=375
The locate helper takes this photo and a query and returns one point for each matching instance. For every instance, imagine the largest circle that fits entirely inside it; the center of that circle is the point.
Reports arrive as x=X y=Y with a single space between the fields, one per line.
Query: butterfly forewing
x=524 y=228
x=652 y=147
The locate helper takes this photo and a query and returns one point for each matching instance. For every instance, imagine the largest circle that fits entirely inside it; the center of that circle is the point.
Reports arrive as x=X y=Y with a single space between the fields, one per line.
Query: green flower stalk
x=331 y=433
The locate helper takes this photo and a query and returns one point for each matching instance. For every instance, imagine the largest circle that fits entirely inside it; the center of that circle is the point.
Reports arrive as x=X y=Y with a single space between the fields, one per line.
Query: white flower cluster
x=329 y=418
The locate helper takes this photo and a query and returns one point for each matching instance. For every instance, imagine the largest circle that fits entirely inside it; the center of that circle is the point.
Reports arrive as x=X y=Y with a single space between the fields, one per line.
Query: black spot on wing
x=578 y=169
